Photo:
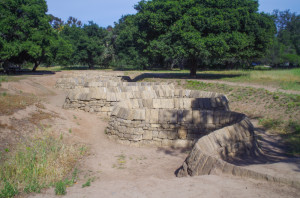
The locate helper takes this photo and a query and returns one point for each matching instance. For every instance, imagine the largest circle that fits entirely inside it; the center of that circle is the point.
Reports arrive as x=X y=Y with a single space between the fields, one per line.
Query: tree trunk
x=36 y=64
x=91 y=67
x=193 y=68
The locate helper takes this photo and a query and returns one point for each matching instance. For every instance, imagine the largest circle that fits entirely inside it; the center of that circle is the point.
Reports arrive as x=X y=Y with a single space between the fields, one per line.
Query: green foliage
x=60 y=188
x=8 y=191
x=26 y=34
x=90 y=44
x=285 y=48
x=190 y=32
x=33 y=186
x=87 y=183
x=163 y=33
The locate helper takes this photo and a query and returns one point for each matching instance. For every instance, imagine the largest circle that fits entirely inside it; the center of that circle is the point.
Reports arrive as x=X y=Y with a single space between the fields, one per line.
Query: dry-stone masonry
x=101 y=97
x=168 y=122
x=159 y=114
x=80 y=79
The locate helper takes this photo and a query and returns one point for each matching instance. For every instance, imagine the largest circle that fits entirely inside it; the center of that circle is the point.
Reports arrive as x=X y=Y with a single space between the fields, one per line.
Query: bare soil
x=122 y=171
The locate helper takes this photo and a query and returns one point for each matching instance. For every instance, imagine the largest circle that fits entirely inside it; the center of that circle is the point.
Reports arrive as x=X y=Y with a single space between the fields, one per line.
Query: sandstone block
x=199 y=117
x=163 y=135
x=147 y=135
x=182 y=133
x=152 y=116
x=167 y=116
x=139 y=114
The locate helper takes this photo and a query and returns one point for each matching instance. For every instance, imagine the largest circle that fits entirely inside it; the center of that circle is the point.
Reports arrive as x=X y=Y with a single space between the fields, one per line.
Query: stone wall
x=84 y=81
x=102 y=99
x=168 y=122
x=82 y=78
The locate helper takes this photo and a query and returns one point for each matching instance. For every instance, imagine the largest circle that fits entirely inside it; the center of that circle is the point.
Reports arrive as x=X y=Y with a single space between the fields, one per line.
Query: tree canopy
x=198 y=32
x=286 y=43
x=163 y=34
x=26 y=34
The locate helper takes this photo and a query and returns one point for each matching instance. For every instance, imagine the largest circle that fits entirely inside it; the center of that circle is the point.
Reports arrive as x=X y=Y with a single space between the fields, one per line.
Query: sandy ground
x=123 y=171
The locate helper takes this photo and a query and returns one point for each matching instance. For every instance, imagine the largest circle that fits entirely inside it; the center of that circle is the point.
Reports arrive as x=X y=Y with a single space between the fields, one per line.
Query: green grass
x=35 y=164
x=60 y=188
x=289 y=131
x=269 y=123
x=6 y=78
x=88 y=182
x=288 y=79
x=292 y=137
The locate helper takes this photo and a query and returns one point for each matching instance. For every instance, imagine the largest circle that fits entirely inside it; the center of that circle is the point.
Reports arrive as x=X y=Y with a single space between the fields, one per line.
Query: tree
x=127 y=46
x=25 y=33
x=285 y=47
x=88 y=42
x=200 y=32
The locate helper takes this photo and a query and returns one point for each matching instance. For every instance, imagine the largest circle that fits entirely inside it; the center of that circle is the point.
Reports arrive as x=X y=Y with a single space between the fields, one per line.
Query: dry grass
x=5 y=126
x=37 y=163
x=11 y=103
x=37 y=117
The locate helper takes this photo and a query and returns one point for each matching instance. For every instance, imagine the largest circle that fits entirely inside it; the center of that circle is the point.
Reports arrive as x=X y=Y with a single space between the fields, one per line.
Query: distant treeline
x=163 y=34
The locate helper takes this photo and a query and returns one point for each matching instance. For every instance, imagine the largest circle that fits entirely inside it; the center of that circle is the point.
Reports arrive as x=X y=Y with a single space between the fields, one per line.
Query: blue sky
x=106 y=12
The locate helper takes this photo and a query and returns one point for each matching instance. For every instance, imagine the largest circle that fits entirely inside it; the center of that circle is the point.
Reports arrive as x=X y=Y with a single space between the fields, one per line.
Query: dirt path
x=123 y=171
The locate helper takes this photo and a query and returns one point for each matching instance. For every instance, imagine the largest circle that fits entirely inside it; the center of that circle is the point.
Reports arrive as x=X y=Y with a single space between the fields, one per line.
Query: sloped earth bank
x=122 y=171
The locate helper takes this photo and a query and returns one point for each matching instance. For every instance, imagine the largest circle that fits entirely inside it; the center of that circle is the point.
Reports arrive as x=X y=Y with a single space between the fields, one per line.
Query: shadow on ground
x=179 y=76
x=273 y=151
x=29 y=72
x=173 y=151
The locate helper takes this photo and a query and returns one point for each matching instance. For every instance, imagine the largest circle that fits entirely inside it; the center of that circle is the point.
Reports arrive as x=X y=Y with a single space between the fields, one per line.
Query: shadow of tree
x=180 y=76
x=29 y=72
x=173 y=151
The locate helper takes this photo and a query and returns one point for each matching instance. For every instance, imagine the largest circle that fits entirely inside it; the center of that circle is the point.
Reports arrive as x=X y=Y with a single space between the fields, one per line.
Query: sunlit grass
x=288 y=79
x=37 y=163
